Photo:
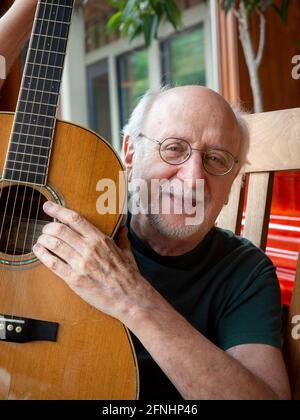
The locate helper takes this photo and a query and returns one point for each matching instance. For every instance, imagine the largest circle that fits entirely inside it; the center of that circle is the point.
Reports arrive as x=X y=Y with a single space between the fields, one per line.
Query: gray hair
x=136 y=121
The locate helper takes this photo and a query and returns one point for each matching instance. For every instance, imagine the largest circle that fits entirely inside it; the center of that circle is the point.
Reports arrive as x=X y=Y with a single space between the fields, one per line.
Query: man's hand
x=100 y=272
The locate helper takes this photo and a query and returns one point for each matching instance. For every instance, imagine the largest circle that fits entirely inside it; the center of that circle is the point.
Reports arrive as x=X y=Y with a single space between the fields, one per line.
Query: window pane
x=133 y=79
x=183 y=58
x=98 y=96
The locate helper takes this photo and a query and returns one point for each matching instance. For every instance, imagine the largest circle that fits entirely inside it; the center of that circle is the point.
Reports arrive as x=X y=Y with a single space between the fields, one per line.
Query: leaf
x=135 y=32
x=114 y=22
x=135 y=17
x=117 y=4
x=157 y=6
x=129 y=9
x=148 y=29
x=172 y=12
x=283 y=10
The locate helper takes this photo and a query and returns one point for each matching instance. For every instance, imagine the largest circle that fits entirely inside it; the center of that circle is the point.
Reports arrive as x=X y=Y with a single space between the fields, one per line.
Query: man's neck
x=161 y=244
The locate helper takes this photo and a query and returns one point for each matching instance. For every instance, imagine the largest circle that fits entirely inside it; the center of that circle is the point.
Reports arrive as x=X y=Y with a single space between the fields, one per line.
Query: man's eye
x=215 y=159
x=174 y=148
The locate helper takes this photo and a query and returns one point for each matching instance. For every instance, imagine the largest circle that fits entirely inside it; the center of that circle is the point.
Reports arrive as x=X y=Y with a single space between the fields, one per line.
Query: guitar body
x=93 y=356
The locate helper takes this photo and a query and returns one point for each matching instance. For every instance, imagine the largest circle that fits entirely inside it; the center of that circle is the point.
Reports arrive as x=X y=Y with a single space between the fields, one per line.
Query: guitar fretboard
x=33 y=129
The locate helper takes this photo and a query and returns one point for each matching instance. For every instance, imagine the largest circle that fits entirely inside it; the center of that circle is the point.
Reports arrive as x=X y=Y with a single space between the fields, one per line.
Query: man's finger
x=66 y=234
x=57 y=266
x=60 y=249
x=73 y=219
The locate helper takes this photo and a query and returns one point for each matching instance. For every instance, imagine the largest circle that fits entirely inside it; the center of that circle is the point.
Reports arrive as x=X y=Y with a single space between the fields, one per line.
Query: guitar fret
x=34 y=114
x=51 y=20
x=42 y=78
x=37 y=103
x=54 y=37
x=32 y=145
x=45 y=65
x=59 y=3
x=21 y=153
x=47 y=51
x=22 y=165
x=31 y=136
x=20 y=170
x=31 y=124
x=41 y=91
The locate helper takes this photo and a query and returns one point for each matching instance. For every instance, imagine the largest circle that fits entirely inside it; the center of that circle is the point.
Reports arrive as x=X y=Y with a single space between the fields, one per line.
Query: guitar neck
x=33 y=128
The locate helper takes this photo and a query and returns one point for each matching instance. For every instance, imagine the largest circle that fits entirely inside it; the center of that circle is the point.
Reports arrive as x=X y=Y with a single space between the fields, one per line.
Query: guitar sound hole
x=21 y=218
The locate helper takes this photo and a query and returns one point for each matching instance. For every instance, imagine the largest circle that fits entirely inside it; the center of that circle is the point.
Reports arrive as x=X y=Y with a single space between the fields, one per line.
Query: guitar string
x=27 y=136
x=27 y=143
x=47 y=106
x=14 y=134
x=35 y=185
x=12 y=317
x=30 y=159
x=66 y=6
x=17 y=150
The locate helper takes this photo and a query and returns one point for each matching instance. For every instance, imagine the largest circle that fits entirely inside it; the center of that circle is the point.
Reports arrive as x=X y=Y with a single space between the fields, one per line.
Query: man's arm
x=15 y=29
x=199 y=369
x=107 y=277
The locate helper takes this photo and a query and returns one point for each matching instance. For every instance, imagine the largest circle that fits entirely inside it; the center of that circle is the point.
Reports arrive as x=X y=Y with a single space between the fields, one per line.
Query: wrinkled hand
x=100 y=272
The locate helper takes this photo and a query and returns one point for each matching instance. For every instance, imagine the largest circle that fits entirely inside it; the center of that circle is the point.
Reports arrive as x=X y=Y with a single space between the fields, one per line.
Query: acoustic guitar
x=53 y=345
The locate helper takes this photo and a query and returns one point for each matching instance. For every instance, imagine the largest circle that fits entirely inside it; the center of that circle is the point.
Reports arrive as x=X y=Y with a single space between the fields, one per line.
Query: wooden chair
x=274 y=146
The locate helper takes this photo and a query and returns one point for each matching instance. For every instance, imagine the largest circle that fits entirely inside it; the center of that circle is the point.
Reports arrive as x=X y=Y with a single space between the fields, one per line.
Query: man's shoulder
x=235 y=241
x=239 y=246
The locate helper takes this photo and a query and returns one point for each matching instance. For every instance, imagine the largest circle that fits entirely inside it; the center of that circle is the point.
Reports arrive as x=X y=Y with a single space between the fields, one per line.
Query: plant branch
x=262 y=38
x=250 y=57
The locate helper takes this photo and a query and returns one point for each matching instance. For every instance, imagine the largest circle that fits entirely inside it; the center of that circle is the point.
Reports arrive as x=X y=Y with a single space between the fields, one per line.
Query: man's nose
x=192 y=169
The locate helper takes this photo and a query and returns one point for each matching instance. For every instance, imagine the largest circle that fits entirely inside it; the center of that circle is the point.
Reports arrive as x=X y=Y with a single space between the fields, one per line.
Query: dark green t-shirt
x=225 y=287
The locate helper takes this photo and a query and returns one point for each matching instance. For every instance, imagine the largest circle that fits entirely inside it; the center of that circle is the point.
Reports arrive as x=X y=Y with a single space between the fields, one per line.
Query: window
x=183 y=58
x=98 y=97
x=174 y=58
x=133 y=81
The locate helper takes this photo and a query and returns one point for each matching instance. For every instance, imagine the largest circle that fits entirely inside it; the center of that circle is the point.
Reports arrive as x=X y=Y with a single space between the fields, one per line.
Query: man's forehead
x=191 y=108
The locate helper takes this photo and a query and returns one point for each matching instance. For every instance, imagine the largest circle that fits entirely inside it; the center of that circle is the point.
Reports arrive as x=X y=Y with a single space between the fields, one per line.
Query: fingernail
x=48 y=205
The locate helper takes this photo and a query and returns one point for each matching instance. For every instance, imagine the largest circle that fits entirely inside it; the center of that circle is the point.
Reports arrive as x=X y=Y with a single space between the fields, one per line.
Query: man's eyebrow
x=206 y=144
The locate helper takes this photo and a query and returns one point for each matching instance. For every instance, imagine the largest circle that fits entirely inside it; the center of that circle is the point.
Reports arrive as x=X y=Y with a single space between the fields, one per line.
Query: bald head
x=190 y=112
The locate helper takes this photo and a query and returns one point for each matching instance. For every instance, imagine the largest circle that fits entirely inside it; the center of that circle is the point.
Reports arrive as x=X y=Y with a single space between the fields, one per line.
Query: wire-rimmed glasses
x=175 y=151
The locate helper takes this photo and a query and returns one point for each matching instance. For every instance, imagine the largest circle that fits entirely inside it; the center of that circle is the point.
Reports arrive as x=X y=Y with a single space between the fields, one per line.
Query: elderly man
x=203 y=304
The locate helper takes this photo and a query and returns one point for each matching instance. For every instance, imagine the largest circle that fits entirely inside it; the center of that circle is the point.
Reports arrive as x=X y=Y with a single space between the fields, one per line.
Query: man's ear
x=128 y=152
